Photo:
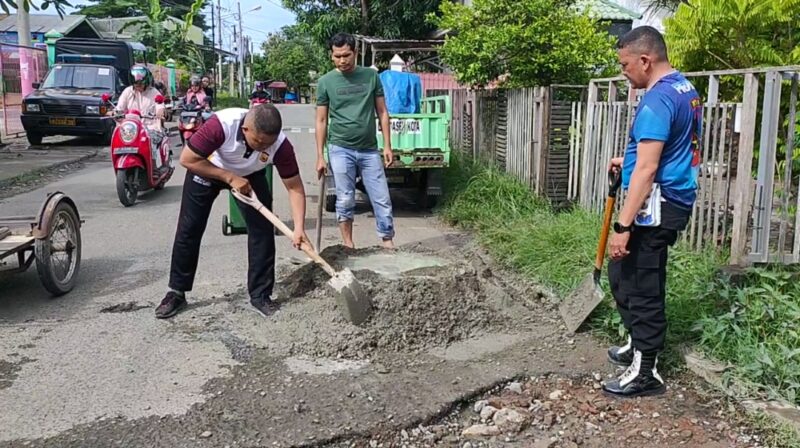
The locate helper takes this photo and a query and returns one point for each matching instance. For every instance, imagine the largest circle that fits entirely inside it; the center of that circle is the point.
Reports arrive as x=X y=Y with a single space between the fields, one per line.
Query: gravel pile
x=430 y=307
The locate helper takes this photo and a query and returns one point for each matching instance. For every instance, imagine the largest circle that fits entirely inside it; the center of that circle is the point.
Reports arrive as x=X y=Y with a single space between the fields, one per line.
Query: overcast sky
x=271 y=17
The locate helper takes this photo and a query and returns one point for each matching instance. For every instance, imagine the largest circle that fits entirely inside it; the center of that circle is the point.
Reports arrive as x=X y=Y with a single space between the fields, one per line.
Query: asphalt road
x=63 y=363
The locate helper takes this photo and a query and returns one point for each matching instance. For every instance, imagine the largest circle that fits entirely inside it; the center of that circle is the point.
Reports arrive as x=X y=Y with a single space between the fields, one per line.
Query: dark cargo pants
x=638 y=283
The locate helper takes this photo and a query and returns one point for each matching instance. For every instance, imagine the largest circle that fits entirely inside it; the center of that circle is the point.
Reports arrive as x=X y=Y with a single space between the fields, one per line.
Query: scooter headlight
x=128 y=132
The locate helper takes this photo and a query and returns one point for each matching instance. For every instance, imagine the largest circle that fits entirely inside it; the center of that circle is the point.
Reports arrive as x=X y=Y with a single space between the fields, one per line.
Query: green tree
x=728 y=34
x=289 y=56
x=44 y=5
x=127 y=8
x=169 y=43
x=392 y=19
x=524 y=42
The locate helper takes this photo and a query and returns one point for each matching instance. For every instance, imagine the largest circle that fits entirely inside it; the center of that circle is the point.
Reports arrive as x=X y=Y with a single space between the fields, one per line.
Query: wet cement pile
x=423 y=307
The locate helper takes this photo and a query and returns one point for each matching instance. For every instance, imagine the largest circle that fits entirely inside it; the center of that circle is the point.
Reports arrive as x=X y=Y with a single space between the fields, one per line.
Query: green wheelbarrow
x=233 y=223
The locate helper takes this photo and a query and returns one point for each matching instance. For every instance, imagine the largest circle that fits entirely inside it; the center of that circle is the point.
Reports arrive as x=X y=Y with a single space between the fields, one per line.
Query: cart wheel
x=58 y=256
x=226 y=225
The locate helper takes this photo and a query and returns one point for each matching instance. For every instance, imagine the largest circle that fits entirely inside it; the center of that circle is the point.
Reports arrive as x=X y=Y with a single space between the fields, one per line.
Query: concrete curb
x=5 y=183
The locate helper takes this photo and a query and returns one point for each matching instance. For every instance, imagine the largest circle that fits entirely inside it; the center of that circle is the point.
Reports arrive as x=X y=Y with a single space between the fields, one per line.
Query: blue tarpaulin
x=403 y=92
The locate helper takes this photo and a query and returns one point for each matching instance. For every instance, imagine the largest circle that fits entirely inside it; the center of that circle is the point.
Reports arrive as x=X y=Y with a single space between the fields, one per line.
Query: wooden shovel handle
x=614 y=181
x=253 y=201
x=320 y=204
x=601 y=245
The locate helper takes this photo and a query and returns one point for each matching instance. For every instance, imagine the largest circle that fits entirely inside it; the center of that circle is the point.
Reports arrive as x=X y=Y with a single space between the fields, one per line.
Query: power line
x=280 y=6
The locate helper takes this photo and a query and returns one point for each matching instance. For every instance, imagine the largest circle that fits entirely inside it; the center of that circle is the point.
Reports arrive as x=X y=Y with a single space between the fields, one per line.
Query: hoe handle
x=253 y=201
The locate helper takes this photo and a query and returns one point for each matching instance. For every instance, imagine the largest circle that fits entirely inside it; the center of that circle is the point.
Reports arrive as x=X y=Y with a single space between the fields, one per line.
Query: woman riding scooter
x=196 y=97
x=141 y=96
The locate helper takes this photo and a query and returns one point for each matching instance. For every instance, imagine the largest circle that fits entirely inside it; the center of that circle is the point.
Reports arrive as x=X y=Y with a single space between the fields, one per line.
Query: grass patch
x=225 y=102
x=752 y=325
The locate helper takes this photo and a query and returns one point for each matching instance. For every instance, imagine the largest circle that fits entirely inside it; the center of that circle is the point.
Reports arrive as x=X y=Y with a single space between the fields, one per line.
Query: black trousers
x=638 y=283
x=198 y=198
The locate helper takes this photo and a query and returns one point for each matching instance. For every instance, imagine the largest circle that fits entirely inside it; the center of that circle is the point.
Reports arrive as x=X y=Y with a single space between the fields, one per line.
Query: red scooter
x=192 y=117
x=257 y=101
x=139 y=164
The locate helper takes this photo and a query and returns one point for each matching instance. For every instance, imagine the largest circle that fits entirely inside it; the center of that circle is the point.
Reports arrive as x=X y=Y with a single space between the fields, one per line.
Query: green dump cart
x=233 y=223
x=421 y=146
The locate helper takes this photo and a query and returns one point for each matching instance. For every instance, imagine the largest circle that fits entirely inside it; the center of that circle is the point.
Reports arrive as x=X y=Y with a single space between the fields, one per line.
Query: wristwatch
x=619 y=228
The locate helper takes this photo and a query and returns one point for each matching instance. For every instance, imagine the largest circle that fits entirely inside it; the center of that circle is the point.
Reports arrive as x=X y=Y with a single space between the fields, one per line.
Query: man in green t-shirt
x=347 y=99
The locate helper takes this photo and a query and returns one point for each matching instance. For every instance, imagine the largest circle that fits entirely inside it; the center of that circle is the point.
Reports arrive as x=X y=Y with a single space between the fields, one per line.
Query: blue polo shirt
x=670 y=112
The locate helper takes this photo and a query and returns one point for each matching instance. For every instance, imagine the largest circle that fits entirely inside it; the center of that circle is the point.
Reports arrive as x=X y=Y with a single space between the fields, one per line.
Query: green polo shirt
x=350 y=98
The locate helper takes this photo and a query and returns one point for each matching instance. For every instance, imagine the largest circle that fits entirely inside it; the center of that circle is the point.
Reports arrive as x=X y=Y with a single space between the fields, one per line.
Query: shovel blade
x=577 y=307
x=353 y=303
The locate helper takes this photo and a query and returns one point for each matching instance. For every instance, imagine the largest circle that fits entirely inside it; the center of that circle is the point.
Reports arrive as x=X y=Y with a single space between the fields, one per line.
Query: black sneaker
x=621 y=356
x=170 y=306
x=265 y=307
x=640 y=380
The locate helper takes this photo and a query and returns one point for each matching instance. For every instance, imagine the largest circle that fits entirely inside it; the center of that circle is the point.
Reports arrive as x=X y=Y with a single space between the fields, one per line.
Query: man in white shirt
x=232 y=150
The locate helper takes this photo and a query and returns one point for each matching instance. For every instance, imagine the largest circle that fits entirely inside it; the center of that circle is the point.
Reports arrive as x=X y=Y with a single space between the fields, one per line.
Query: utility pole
x=241 y=50
x=213 y=33
x=219 y=56
x=231 y=67
x=24 y=41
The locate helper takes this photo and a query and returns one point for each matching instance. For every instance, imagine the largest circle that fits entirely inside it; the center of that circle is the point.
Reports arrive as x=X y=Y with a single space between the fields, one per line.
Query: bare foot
x=388 y=244
x=350 y=245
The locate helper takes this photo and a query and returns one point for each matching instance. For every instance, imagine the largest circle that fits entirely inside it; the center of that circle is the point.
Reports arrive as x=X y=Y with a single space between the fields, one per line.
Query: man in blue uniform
x=663 y=150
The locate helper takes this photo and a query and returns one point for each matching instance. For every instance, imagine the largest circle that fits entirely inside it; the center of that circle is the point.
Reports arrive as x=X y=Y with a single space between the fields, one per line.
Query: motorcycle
x=193 y=115
x=257 y=101
x=140 y=163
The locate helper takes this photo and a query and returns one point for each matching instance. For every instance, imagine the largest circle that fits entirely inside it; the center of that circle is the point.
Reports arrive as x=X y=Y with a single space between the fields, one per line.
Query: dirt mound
x=422 y=308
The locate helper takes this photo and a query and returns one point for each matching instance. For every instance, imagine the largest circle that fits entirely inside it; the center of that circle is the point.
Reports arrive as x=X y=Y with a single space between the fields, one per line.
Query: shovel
x=320 y=204
x=576 y=308
x=354 y=304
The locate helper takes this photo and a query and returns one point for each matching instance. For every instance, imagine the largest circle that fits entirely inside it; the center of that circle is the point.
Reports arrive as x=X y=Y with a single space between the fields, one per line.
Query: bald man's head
x=645 y=40
x=642 y=55
x=262 y=125
x=264 y=118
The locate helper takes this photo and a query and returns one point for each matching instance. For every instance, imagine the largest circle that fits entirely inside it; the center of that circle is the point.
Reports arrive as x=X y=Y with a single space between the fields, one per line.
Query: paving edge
x=425 y=420
x=5 y=183
x=711 y=371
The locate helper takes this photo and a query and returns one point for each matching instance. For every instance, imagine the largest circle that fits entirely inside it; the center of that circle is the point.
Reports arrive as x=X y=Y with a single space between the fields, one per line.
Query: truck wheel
x=430 y=184
x=34 y=138
x=431 y=200
x=330 y=203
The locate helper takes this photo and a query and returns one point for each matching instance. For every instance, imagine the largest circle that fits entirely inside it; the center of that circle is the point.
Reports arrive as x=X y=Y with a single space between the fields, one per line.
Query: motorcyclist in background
x=141 y=95
x=197 y=95
x=259 y=93
x=209 y=91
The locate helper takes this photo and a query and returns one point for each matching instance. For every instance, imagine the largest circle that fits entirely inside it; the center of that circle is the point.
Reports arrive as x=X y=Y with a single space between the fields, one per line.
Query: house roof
x=607 y=10
x=42 y=23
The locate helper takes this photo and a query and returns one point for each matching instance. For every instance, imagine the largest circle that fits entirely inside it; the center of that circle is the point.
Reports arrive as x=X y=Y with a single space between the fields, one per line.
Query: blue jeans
x=344 y=162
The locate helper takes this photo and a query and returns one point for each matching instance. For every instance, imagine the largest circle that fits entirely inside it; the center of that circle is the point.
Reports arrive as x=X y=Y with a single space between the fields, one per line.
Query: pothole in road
x=393 y=265
x=422 y=300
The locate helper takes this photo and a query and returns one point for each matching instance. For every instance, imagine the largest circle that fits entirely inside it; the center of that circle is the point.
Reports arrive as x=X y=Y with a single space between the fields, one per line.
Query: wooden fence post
x=742 y=196
x=585 y=176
